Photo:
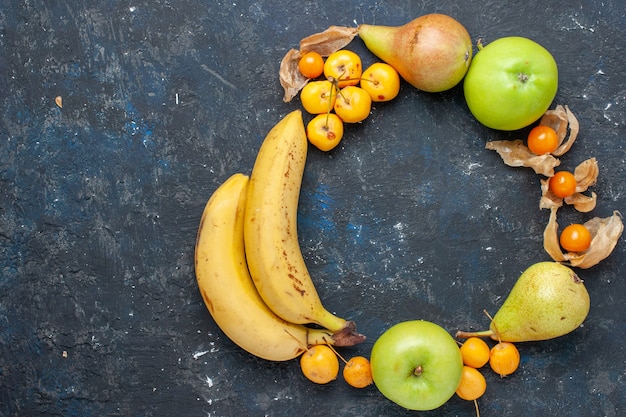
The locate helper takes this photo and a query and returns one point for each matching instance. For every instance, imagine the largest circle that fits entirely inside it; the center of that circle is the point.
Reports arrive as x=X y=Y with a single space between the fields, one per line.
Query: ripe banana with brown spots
x=271 y=237
x=227 y=288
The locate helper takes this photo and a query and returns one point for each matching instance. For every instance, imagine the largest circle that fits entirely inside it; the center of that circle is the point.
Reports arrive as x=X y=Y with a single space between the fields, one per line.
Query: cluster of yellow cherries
x=339 y=92
x=344 y=94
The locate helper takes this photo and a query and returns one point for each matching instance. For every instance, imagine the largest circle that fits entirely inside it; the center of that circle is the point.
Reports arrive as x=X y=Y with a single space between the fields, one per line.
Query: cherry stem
x=375 y=82
x=306 y=347
x=329 y=103
x=337 y=353
x=476 y=406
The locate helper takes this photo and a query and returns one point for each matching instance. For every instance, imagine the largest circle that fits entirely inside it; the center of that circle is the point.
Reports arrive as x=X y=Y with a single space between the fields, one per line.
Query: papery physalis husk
x=586 y=174
x=325 y=43
x=605 y=232
x=560 y=119
x=515 y=153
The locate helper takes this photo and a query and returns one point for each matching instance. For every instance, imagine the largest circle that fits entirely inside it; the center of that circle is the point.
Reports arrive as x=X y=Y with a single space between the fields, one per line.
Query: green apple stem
x=464 y=335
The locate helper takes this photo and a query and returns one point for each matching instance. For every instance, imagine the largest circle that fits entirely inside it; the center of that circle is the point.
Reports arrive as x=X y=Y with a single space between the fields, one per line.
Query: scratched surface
x=411 y=218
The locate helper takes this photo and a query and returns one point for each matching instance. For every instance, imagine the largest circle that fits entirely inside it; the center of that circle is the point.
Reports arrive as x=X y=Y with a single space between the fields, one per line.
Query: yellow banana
x=270 y=231
x=227 y=288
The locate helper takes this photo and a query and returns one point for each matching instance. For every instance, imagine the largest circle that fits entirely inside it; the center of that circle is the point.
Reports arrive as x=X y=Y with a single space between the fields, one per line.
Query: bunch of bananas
x=248 y=262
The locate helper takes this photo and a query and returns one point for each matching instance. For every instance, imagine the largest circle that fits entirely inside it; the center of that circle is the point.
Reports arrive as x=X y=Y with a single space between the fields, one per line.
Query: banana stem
x=464 y=335
x=348 y=336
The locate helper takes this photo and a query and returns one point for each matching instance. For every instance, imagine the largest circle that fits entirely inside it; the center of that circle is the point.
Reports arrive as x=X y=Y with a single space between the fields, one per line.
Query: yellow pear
x=547 y=301
x=432 y=52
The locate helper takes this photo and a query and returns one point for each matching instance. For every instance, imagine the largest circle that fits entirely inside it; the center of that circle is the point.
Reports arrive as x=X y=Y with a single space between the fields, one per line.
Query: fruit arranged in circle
x=475 y=352
x=320 y=364
x=353 y=104
x=325 y=131
x=358 y=372
x=575 y=238
x=473 y=384
x=562 y=184
x=542 y=140
x=318 y=97
x=504 y=358
x=311 y=65
x=344 y=66
x=381 y=81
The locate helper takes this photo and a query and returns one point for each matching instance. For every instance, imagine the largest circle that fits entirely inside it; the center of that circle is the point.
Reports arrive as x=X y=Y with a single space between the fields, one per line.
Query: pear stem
x=495 y=328
x=464 y=335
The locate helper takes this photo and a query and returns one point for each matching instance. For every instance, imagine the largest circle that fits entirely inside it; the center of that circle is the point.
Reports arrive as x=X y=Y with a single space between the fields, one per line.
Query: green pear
x=432 y=52
x=547 y=301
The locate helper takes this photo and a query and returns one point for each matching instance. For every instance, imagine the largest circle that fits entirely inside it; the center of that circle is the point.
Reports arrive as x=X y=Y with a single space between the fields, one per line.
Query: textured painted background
x=410 y=218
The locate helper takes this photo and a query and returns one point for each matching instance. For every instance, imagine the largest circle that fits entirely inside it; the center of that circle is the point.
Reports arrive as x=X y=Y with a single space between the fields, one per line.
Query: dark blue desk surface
x=410 y=218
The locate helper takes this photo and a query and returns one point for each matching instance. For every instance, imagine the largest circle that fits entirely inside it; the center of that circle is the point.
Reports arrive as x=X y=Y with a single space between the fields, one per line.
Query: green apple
x=416 y=364
x=510 y=83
